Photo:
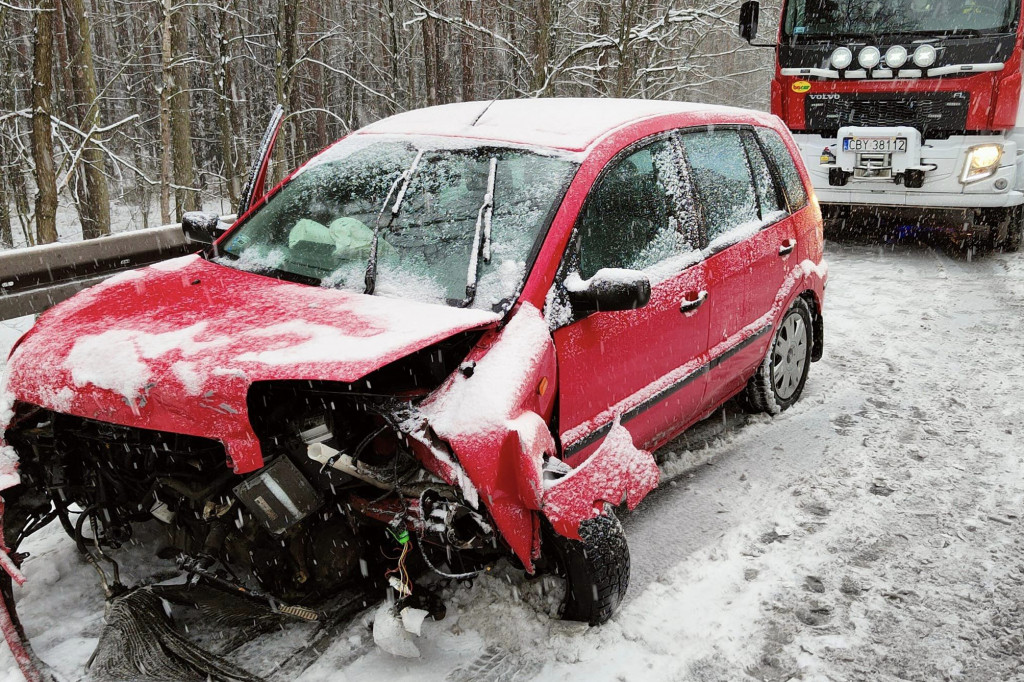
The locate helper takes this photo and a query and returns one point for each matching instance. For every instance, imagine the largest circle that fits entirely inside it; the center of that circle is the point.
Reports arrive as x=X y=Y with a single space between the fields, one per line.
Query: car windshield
x=815 y=18
x=428 y=200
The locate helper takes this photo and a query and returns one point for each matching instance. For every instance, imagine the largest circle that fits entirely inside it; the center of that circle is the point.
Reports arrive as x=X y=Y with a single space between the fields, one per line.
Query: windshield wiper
x=481 y=236
x=402 y=183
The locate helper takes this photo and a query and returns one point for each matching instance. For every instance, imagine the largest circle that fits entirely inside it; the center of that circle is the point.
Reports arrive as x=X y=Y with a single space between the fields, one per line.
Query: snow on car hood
x=175 y=346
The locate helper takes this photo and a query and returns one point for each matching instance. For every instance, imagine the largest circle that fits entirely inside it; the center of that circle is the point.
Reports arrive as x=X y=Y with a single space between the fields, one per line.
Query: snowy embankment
x=871 y=532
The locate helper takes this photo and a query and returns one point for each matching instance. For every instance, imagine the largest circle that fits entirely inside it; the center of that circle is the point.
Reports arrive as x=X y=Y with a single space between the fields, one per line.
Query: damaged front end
x=345 y=504
x=442 y=463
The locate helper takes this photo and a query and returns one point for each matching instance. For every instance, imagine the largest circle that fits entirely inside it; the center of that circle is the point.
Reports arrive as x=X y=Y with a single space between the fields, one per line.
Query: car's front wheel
x=596 y=569
x=780 y=378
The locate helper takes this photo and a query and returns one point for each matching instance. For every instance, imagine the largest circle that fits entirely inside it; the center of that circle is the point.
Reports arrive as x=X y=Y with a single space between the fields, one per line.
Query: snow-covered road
x=874 y=531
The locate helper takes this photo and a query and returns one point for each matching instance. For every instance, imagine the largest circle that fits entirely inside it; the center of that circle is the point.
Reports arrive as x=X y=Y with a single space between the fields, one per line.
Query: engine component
x=279 y=496
x=328 y=457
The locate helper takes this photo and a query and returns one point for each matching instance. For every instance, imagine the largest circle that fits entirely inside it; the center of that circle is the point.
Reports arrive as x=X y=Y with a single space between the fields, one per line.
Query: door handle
x=787 y=247
x=689 y=305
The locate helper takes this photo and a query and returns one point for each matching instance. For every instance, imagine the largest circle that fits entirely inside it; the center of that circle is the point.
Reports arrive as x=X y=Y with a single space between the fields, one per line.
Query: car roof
x=561 y=123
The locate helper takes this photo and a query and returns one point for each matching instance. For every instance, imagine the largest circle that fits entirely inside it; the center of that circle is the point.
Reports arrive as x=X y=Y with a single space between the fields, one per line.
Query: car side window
x=769 y=197
x=721 y=176
x=630 y=219
x=779 y=154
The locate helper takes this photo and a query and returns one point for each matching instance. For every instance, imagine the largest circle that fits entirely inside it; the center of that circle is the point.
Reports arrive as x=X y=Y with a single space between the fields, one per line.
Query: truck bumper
x=941 y=187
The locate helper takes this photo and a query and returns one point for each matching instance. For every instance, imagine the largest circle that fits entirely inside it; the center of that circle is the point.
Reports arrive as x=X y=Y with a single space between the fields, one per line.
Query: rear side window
x=722 y=180
x=779 y=154
x=631 y=219
x=769 y=195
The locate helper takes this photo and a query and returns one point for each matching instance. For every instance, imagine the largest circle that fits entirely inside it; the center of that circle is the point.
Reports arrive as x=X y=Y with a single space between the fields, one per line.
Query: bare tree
x=155 y=122
x=42 y=140
x=93 y=195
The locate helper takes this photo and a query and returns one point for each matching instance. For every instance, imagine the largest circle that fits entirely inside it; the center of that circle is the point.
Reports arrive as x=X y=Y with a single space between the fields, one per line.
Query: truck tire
x=1006 y=226
x=596 y=570
x=1011 y=242
x=780 y=378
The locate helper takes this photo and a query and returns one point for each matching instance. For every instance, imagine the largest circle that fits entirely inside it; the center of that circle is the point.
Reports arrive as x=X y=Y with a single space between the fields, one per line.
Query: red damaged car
x=454 y=335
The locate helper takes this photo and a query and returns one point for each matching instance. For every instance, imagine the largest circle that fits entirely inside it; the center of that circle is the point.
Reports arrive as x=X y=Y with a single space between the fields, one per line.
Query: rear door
x=642 y=366
x=727 y=197
x=772 y=248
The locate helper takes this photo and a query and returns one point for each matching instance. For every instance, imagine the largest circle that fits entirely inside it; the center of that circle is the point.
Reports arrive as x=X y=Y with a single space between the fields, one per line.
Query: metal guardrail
x=34 y=278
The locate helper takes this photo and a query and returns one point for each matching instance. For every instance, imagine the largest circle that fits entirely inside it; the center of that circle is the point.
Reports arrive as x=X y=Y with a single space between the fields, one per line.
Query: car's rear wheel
x=780 y=378
x=596 y=570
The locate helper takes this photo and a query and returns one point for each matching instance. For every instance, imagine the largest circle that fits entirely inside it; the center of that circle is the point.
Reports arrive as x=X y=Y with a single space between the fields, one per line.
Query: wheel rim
x=789 y=356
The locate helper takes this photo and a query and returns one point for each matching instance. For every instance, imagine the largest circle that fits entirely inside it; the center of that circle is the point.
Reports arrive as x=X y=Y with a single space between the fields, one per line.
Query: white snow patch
x=58 y=400
x=115 y=359
x=120 y=278
x=188 y=376
x=8 y=467
x=487 y=399
x=391 y=635
x=173 y=264
x=561 y=123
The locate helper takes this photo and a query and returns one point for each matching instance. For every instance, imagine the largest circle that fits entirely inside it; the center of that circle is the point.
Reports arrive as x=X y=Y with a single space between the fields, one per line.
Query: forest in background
x=161 y=103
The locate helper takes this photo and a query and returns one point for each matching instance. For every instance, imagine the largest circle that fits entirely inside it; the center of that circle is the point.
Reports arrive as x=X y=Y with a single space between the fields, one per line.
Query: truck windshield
x=319 y=227
x=820 y=18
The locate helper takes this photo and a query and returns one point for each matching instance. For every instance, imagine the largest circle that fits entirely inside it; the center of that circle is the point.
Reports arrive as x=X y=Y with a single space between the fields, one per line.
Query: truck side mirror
x=749 y=13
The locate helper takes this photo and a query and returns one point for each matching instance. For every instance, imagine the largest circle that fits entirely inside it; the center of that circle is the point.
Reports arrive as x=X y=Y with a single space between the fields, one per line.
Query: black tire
x=596 y=570
x=763 y=392
x=1005 y=226
x=1014 y=231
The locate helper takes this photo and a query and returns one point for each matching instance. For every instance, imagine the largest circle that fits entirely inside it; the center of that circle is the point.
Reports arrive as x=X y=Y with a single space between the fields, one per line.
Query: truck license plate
x=875 y=144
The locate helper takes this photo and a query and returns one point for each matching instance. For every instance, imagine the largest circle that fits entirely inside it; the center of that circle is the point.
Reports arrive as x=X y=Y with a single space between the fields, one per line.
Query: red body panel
x=603 y=374
x=176 y=348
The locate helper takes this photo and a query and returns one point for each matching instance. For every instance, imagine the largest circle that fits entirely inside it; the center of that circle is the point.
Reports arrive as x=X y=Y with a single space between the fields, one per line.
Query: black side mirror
x=608 y=289
x=201 y=227
x=749 y=13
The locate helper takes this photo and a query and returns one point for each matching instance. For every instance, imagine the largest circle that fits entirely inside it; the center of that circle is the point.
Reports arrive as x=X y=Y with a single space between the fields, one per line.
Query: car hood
x=175 y=346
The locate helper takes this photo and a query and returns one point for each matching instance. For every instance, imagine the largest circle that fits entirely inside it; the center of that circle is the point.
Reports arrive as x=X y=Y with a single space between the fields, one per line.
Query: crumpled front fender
x=493 y=414
x=617 y=471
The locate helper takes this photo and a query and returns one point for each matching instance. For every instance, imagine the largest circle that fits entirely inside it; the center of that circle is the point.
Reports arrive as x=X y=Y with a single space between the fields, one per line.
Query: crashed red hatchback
x=454 y=335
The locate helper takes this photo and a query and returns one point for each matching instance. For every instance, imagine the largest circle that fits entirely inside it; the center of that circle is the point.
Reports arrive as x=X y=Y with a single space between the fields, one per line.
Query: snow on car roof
x=563 y=123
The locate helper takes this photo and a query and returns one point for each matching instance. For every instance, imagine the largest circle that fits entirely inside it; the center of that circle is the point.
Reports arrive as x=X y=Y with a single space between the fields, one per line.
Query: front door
x=641 y=366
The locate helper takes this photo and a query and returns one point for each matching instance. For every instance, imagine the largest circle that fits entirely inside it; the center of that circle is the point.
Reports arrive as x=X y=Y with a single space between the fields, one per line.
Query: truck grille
x=936 y=115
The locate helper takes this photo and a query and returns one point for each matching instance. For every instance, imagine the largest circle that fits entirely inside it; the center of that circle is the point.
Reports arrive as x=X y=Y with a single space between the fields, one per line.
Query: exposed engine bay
x=342 y=502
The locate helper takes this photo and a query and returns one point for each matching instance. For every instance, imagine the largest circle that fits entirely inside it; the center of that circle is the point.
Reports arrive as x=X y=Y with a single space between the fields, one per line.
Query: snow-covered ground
x=872 y=532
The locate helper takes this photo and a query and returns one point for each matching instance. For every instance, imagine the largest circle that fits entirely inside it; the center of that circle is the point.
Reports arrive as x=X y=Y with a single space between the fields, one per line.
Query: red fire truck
x=907 y=107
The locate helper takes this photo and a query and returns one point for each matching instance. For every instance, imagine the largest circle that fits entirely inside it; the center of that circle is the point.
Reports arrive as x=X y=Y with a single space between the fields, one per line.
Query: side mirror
x=201 y=227
x=749 y=13
x=608 y=289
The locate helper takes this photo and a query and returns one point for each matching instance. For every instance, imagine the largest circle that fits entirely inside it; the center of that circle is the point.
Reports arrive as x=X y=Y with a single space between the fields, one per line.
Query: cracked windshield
x=431 y=205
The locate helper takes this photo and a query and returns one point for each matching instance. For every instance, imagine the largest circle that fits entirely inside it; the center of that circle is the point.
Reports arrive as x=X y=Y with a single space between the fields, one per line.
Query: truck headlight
x=982 y=162
x=896 y=56
x=924 y=56
x=842 y=57
x=869 y=57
